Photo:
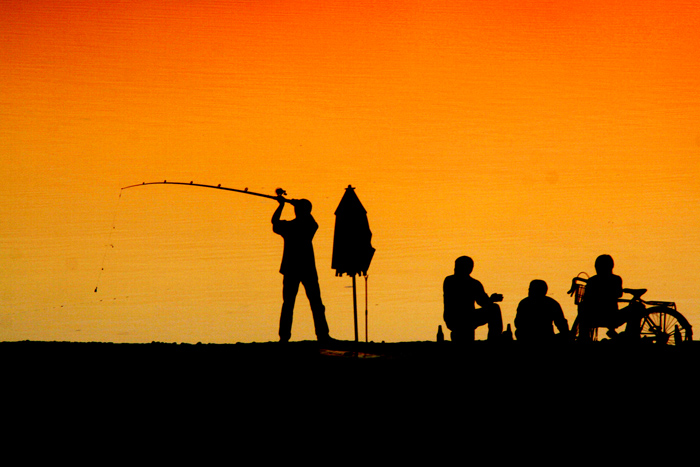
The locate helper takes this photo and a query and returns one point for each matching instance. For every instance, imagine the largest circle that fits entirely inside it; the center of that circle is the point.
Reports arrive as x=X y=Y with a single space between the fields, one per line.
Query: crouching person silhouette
x=461 y=294
x=299 y=266
x=537 y=315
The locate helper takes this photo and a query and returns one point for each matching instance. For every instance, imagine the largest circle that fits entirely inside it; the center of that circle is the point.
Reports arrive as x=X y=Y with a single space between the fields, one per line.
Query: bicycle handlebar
x=574 y=284
x=578 y=281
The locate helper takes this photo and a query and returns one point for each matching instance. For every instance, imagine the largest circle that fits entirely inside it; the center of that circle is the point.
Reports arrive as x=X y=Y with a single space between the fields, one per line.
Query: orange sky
x=527 y=107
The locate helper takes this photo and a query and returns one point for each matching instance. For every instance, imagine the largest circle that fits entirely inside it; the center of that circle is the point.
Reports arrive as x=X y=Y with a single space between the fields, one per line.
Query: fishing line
x=109 y=245
x=23 y=309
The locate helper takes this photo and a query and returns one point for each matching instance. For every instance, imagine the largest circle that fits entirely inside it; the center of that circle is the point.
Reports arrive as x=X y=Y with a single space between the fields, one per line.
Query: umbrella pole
x=366 y=332
x=354 y=302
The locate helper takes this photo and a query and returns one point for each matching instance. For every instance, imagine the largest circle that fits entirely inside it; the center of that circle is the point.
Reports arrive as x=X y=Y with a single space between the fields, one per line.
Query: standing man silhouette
x=299 y=266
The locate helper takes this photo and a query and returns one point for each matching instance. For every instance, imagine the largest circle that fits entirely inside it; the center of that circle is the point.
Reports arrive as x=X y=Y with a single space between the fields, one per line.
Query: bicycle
x=660 y=322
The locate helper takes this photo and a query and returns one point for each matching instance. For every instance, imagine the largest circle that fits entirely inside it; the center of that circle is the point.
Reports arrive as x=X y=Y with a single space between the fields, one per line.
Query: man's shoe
x=326 y=340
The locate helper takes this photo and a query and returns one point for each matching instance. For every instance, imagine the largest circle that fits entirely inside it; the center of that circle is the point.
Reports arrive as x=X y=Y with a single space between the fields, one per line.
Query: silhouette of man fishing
x=299 y=266
x=460 y=293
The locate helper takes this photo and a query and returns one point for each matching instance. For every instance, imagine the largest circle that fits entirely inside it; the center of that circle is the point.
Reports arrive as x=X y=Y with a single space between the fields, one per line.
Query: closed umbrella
x=352 y=243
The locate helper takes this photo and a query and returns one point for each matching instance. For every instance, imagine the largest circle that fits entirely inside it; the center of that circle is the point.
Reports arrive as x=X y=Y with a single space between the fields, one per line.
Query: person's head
x=538 y=288
x=302 y=207
x=604 y=264
x=464 y=265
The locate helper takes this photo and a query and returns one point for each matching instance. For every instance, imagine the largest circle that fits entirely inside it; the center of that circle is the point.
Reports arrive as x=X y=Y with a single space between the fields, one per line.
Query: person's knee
x=288 y=300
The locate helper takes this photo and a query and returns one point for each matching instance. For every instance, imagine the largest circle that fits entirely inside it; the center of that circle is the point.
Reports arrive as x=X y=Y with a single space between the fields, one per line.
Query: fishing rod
x=280 y=192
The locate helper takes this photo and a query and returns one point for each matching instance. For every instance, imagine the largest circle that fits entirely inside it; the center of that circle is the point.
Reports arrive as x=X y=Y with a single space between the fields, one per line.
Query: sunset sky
x=530 y=135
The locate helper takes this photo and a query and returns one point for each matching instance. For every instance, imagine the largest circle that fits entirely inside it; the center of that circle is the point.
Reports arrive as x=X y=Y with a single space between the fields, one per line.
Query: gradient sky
x=533 y=135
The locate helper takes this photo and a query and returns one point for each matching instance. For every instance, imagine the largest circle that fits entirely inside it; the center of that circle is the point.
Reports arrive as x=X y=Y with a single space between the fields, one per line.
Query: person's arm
x=483 y=300
x=559 y=320
x=618 y=286
x=278 y=212
x=277 y=215
x=496 y=297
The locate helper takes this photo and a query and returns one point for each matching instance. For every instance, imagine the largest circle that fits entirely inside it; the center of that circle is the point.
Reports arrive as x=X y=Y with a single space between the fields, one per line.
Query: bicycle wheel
x=665 y=325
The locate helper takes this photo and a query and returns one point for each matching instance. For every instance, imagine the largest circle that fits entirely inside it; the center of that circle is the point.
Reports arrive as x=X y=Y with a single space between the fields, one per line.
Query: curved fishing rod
x=279 y=191
x=280 y=196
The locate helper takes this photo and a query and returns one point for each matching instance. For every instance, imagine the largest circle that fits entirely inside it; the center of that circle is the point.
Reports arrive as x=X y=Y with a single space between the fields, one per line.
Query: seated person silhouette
x=460 y=294
x=599 y=306
x=537 y=315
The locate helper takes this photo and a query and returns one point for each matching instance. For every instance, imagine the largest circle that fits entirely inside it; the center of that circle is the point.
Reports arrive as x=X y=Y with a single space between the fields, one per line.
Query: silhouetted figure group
x=467 y=306
x=537 y=315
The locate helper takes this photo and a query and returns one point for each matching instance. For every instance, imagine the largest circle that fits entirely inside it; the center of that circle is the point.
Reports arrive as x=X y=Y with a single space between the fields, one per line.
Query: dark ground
x=390 y=364
x=395 y=396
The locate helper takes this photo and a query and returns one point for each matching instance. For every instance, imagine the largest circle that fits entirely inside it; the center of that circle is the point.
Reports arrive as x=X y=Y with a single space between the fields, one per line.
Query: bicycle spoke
x=661 y=326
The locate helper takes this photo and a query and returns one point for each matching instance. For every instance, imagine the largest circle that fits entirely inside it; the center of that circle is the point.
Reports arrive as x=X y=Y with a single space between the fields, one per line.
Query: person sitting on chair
x=460 y=294
x=537 y=315
x=599 y=305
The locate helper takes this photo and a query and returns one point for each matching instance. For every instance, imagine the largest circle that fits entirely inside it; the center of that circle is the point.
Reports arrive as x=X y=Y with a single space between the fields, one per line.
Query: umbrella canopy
x=352 y=241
